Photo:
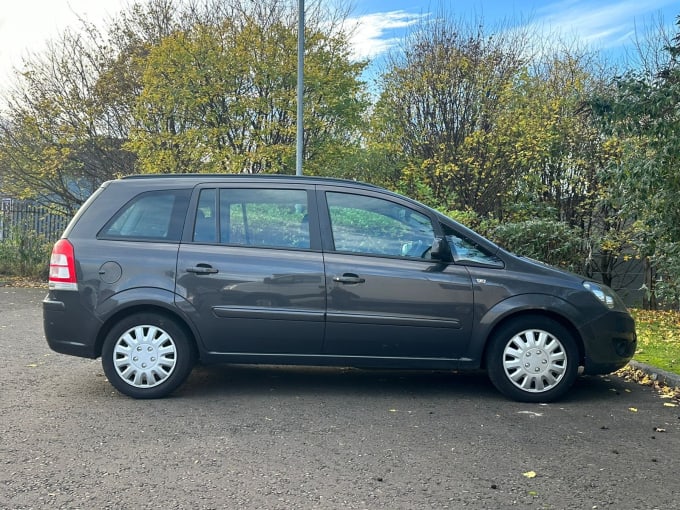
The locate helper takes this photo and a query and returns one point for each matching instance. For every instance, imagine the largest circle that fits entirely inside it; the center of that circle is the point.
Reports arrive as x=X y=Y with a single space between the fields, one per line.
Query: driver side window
x=362 y=224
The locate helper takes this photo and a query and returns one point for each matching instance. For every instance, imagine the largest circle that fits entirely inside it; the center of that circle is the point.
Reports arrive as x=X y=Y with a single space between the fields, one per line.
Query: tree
x=54 y=146
x=223 y=98
x=68 y=116
x=440 y=104
x=163 y=76
x=565 y=159
x=643 y=114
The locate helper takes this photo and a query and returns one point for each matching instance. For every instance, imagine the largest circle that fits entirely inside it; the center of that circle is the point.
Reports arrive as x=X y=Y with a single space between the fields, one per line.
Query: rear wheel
x=532 y=359
x=147 y=355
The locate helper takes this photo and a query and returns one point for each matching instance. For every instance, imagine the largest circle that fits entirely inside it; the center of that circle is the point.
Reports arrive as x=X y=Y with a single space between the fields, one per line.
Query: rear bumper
x=70 y=328
x=610 y=342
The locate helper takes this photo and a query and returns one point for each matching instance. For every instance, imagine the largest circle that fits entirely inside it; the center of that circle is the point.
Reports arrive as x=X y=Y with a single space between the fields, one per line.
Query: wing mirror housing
x=440 y=250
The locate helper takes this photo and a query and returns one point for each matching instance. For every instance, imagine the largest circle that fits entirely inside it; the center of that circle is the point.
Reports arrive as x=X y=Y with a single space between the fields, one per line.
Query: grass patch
x=658 y=339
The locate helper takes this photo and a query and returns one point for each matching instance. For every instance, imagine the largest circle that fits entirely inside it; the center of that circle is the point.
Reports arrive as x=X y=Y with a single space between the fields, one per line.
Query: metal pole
x=300 y=86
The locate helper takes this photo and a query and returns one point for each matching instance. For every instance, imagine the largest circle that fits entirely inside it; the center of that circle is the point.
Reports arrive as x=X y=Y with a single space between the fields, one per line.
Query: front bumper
x=609 y=341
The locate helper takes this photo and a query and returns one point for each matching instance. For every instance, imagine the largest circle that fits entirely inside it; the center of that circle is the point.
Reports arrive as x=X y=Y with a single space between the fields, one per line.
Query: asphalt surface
x=288 y=438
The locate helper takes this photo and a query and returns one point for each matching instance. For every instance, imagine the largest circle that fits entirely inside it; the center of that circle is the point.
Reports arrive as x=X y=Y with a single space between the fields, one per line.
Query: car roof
x=201 y=178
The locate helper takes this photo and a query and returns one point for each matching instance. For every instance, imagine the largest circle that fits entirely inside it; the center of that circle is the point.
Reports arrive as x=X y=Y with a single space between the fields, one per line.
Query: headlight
x=601 y=292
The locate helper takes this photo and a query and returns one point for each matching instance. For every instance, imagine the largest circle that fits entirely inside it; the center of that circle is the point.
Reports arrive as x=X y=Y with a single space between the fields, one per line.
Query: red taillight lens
x=63 y=267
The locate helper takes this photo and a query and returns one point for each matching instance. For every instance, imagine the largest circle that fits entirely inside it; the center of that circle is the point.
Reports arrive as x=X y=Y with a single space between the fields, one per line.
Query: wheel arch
x=163 y=307
x=499 y=320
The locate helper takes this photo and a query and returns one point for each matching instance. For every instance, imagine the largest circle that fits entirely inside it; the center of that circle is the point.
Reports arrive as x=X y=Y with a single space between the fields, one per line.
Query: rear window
x=150 y=216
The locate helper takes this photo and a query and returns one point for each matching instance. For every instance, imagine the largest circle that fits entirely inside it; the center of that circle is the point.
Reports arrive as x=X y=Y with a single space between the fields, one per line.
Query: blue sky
x=606 y=26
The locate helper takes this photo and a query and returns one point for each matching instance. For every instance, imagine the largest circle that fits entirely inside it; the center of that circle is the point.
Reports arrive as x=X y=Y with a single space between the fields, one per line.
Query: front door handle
x=348 y=278
x=202 y=269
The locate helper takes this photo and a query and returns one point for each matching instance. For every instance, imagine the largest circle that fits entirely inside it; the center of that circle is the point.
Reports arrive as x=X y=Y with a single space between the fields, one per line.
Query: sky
x=608 y=26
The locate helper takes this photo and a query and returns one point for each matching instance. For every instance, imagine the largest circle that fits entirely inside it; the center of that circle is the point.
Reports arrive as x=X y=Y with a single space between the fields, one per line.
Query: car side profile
x=157 y=272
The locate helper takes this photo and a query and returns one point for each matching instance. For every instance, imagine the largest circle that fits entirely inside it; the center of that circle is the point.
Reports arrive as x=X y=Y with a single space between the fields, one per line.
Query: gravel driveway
x=272 y=437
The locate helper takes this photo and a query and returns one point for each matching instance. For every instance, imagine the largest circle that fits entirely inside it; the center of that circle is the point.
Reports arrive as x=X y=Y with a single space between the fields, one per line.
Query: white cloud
x=372 y=35
x=600 y=25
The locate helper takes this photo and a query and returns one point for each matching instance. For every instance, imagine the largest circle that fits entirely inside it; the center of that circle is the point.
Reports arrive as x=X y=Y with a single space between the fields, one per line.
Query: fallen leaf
x=32 y=365
x=393 y=410
x=530 y=474
x=633 y=409
x=670 y=404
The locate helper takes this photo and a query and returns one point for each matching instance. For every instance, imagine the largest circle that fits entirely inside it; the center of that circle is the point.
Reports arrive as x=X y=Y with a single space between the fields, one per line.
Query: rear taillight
x=63 y=267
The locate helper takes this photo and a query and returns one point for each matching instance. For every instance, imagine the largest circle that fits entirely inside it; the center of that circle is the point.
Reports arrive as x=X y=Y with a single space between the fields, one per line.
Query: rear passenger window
x=274 y=218
x=151 y=216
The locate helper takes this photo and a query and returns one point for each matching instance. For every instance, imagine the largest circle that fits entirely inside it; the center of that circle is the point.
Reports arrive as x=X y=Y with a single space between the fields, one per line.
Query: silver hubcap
x=144 y=356
x=534 y=361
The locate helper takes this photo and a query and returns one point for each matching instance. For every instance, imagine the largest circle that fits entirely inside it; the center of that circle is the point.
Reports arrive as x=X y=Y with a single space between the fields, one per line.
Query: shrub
x=24 y=253
x=552 y=242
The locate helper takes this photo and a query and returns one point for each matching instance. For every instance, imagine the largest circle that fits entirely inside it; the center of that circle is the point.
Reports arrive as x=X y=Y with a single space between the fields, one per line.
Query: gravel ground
x=289 y=438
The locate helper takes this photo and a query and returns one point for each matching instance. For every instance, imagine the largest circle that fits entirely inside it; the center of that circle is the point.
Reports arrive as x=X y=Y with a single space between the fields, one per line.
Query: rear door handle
x=348 y=278
x=202 y=269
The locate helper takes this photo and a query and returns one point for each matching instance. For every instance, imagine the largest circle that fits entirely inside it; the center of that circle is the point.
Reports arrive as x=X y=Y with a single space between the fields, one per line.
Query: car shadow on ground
x=257 y=380
x=296 y=380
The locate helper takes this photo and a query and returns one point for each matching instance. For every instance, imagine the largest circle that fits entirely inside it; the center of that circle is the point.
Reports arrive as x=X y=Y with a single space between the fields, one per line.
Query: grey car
x=157 y=272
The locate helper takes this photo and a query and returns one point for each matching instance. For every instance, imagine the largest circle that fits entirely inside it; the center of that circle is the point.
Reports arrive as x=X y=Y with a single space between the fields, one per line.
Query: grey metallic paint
x=242 y=314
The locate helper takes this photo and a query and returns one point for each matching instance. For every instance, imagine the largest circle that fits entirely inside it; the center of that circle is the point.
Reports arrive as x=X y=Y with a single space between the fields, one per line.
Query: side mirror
x=440 y=250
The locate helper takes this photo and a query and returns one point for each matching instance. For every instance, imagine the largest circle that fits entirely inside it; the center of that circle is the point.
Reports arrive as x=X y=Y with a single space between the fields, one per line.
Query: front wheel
x=532 y=359
x=147 y=355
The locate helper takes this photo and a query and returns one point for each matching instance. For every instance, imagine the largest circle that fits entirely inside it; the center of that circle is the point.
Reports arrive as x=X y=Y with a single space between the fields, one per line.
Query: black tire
x=532 y=359
x=147 y=355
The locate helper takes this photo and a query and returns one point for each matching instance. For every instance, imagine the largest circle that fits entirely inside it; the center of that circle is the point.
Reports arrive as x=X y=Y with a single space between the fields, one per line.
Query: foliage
x=51 y=146
x=559 y=150
x=24 y=253
x=471 y=123
x=223 y=99
x=658 y=339
x=439 y=109
x=549 y=241
x=68 y=114
x=642 y=113
x=179 y=86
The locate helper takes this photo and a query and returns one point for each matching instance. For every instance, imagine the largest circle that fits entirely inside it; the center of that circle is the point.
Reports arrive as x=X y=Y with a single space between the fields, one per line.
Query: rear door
x=252 y=271
x=386 y=297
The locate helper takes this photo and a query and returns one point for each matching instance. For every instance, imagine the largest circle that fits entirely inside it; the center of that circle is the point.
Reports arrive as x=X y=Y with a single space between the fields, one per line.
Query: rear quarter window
x=150 y=216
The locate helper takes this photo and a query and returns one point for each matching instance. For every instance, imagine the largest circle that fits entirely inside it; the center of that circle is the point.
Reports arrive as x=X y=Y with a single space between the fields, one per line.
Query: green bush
x=552 y=242
x=25 y=253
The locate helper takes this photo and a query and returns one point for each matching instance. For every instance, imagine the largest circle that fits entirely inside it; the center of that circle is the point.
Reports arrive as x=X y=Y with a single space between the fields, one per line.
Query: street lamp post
x=300 y=87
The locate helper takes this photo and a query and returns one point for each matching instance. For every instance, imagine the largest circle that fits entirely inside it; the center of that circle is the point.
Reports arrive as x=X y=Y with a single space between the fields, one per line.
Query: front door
x=386 y=297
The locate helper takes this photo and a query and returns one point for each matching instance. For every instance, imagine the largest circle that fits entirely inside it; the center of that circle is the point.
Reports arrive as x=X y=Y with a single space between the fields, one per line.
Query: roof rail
x=245 y=176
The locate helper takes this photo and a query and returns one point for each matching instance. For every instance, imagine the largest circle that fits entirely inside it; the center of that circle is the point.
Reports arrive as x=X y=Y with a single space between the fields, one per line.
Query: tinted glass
x=156 y=215
x=364 y=224
x=253 y=217
x=205 y=226
x=465 y=250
